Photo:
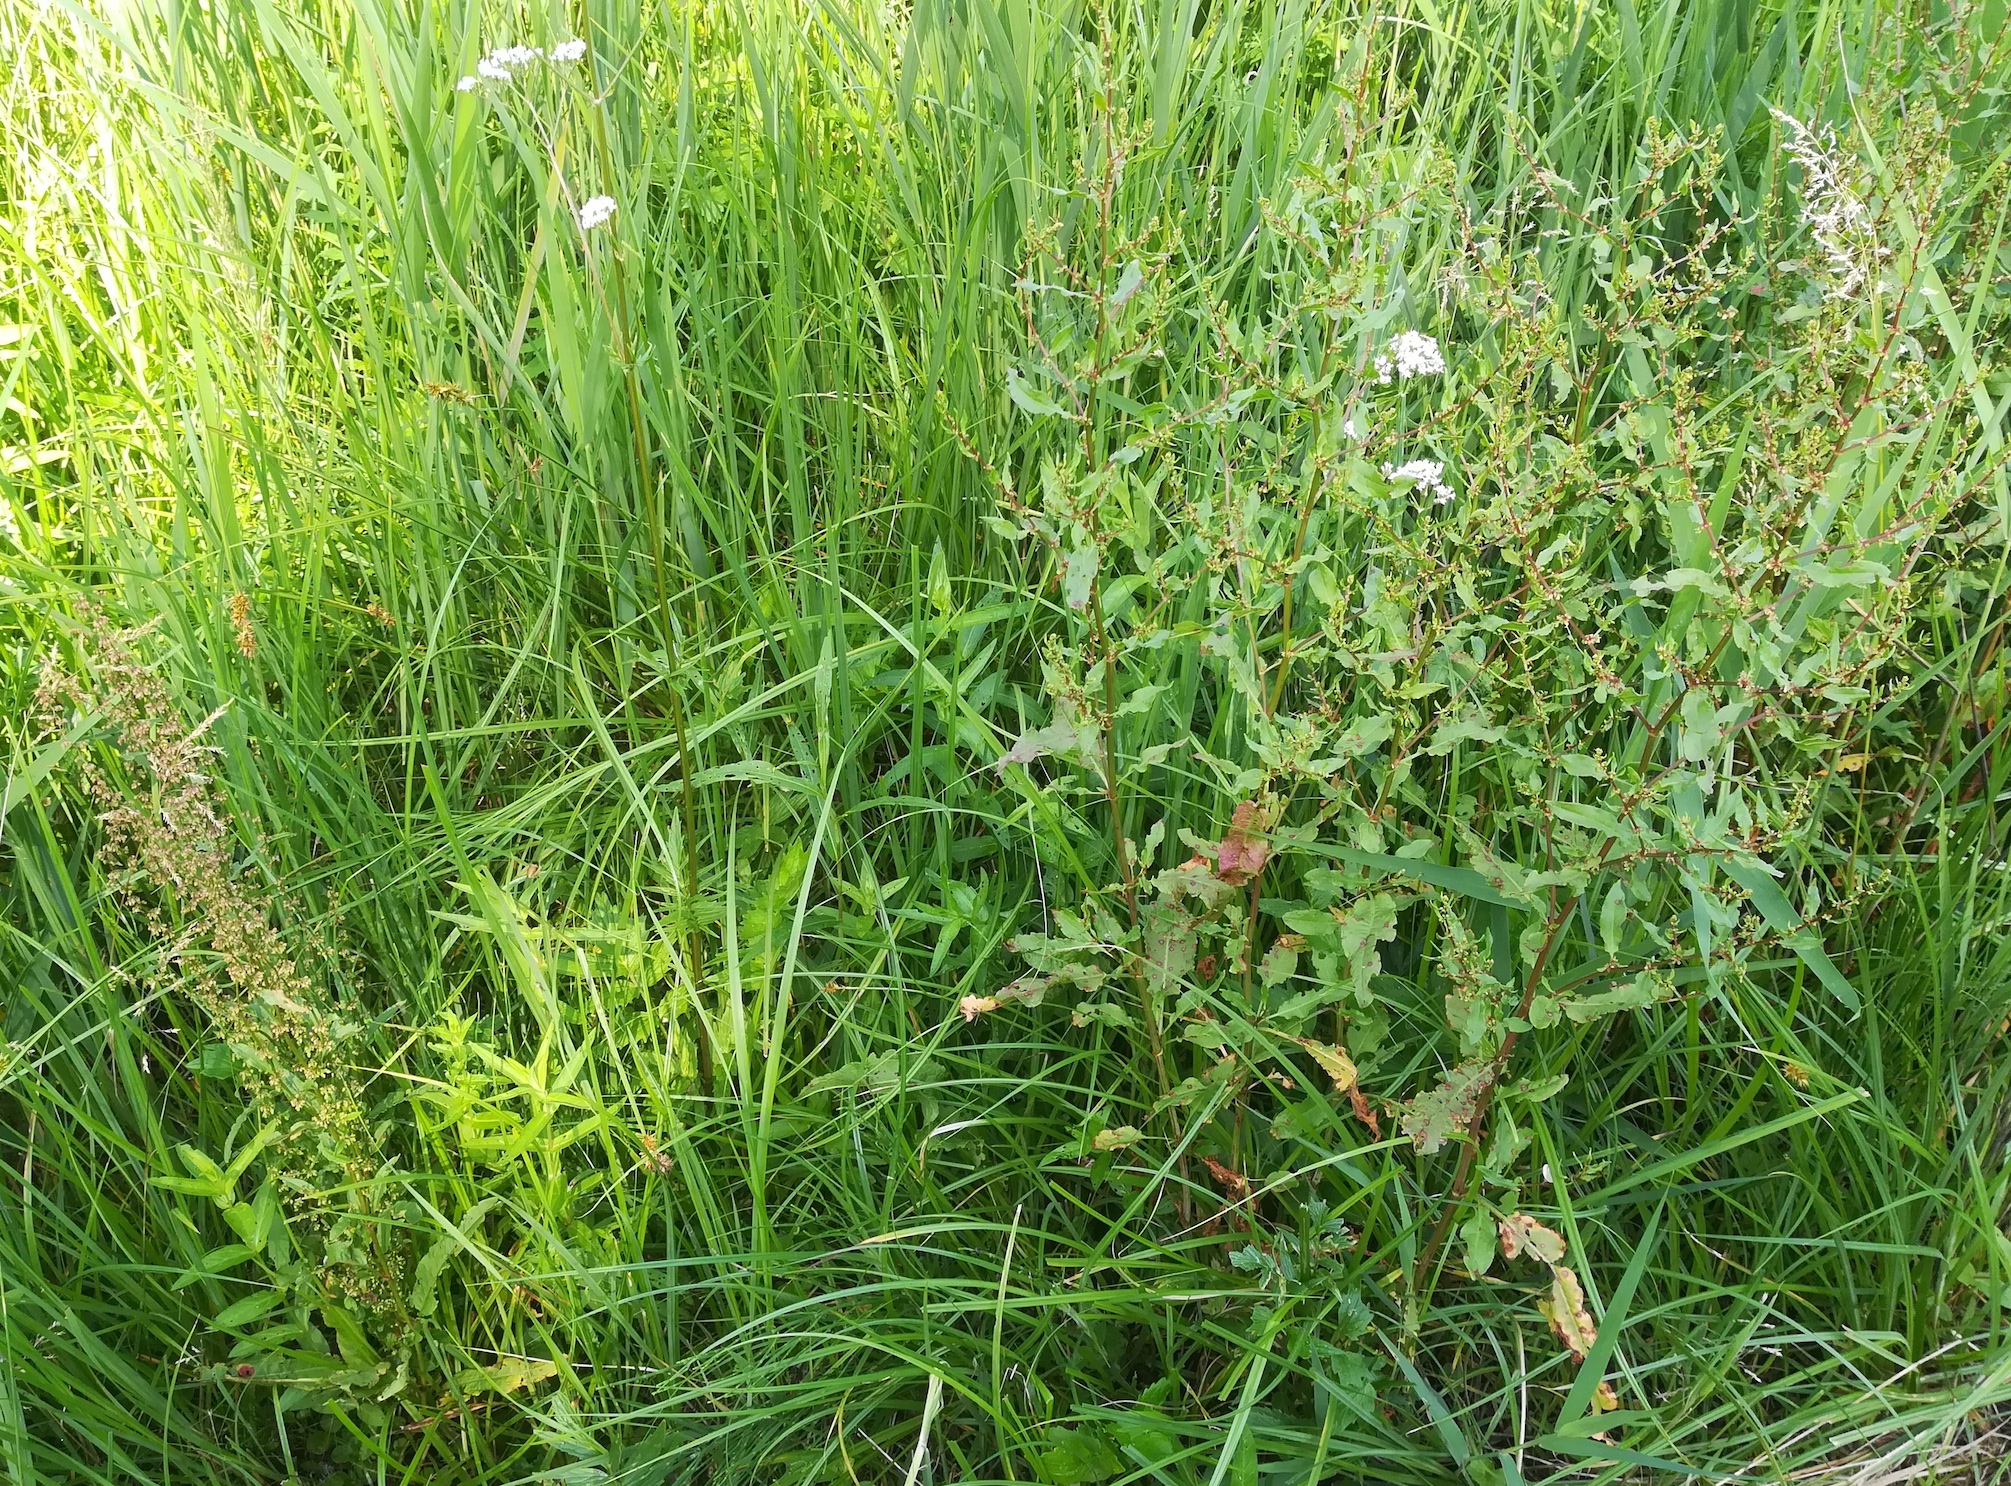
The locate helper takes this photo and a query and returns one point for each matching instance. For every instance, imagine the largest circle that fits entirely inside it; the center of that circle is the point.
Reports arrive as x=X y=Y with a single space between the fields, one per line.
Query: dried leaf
x=1519 y=1231
x=1234 y=1184
x=974 y=1007
x=1364 y=1112
x=1566 y=1313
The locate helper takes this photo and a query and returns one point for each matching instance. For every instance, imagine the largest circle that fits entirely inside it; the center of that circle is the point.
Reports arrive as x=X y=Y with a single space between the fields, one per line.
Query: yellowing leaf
x=1566 y=1313
x=1117 y=1138
x=1519 y=1231
x=1334 y=1061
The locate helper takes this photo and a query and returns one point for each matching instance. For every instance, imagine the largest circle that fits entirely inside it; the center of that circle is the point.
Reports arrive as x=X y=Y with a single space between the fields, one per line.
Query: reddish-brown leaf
x=1364 y=1112
x=1234 y=1184
x=1243 y=852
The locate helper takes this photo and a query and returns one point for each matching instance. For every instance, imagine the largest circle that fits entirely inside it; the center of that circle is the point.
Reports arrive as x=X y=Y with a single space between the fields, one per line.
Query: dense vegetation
x=1003 y=740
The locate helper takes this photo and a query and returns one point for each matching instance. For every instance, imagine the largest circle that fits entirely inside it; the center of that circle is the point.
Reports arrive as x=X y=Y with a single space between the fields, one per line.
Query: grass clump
x=1008 y=742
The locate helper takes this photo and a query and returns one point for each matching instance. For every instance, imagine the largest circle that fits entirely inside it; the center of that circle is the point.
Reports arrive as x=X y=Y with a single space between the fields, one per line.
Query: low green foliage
x=1003 y=742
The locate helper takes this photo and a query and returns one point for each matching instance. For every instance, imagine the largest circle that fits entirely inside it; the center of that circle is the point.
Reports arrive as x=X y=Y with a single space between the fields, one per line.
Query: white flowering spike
x=494 y=71
x=1425 y=474
x=569 y=51
x=468 y=84
x=1348 y=427
x=594 y=211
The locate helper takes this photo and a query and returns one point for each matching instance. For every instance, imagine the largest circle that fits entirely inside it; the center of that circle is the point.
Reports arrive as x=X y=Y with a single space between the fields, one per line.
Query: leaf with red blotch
x=1193 y=880
x=1169 y=945
x=1243 y=852
x=1566 y=1313
x=1433 y=1117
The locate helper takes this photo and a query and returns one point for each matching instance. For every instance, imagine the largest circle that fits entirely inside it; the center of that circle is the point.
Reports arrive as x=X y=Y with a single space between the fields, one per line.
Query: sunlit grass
x=687 y=560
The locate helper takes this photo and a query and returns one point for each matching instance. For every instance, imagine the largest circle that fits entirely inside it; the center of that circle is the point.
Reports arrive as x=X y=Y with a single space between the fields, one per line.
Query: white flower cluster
x=1410 y=355
x=506 y=61
x=594 y=211
x=1837 y=218
x=1425 y=474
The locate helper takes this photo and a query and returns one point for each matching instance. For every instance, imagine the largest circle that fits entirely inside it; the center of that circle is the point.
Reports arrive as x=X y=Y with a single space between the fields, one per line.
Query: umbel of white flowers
x=1410 y=355
x=506 y=61
x=1425 y=474
x=594 y=211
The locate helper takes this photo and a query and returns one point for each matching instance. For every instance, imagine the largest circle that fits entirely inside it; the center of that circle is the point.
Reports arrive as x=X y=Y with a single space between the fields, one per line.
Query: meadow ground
x=1003 y=740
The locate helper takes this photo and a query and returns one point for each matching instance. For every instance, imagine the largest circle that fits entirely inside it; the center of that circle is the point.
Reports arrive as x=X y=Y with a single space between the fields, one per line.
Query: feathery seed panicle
x=1834 y=214
x=169 y=845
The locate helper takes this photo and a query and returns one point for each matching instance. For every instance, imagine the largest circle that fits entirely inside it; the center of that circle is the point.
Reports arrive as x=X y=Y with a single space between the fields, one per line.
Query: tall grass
x=594 y=840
